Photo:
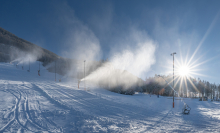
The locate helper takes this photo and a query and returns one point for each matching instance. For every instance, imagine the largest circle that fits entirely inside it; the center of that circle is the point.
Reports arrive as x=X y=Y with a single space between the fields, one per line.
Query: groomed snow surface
x=32 y=103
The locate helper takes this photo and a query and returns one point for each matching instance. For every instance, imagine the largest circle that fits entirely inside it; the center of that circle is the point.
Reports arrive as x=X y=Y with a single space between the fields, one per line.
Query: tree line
x=195 y=87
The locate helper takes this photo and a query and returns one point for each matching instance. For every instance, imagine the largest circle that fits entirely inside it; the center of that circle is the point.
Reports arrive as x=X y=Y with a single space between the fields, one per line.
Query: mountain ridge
x=10 y=39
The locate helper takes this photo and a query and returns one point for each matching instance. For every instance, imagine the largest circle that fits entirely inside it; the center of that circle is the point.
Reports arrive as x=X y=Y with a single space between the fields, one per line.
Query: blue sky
x=96 y=30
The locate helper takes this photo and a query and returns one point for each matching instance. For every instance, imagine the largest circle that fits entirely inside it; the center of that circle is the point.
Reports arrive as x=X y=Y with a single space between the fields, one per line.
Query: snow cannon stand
x=186 y=109
x=78 y=84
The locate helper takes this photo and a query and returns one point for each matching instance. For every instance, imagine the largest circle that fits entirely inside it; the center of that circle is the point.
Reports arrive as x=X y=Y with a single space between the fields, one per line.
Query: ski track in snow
x=32 y=104
x=21 y=113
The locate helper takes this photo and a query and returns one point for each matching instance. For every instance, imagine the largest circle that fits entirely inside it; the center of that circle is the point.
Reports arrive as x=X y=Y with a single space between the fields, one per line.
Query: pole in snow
x=29 y=66
x=78 y=84
x=55 y=69
x=186 y=88
x=84 y=76
x=173 y=76
x=39 y=69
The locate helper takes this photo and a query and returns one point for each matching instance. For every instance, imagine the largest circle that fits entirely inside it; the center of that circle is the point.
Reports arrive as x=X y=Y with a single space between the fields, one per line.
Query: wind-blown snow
x=32 y=103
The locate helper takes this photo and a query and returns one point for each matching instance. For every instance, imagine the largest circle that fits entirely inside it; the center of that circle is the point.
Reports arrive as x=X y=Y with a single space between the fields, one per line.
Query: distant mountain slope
x=9 y=39
x=12 y=48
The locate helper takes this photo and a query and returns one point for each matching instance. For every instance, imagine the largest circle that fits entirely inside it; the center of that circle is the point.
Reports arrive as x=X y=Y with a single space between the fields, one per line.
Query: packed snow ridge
x=33 y=103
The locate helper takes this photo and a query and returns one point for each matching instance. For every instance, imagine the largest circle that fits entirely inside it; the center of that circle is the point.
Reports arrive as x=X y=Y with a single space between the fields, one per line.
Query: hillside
x=10 y=39
x=13 y=48
x=32 y=103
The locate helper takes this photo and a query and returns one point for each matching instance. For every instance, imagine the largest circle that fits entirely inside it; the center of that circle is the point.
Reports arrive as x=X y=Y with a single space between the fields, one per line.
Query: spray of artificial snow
x=126 y=66
x=21 y=57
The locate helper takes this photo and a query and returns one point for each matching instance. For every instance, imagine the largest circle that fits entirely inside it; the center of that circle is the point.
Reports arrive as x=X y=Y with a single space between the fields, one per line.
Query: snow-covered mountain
x=33 y=103
x=13 y=48
x=20 y=44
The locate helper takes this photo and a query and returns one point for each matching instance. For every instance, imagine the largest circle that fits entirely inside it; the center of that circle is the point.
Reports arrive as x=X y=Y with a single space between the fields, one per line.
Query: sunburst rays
x=187 y=67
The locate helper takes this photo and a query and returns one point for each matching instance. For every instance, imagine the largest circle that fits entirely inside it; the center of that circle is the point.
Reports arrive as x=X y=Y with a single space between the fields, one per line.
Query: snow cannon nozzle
x=81 y=80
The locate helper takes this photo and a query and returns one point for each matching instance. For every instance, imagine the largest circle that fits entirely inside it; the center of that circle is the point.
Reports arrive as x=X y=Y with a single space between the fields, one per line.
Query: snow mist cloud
x=131 y=53
x=80 y=43
x=110 y=77
x=21 y=57
x=125 y=66
x=138 y=58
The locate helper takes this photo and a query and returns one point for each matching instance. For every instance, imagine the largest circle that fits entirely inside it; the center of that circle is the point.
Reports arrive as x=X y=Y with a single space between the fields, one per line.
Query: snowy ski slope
x=32 y=103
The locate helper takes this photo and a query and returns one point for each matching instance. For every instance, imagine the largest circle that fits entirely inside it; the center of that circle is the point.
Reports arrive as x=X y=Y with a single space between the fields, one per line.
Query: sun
x=183 y=71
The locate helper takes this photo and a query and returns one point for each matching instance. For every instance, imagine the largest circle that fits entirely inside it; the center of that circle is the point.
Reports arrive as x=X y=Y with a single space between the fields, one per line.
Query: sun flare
x=184 y=71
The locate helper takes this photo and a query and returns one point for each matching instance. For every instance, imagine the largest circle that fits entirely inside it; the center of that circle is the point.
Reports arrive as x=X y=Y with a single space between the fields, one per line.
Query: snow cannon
x=78 y=83
x=186 y=109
